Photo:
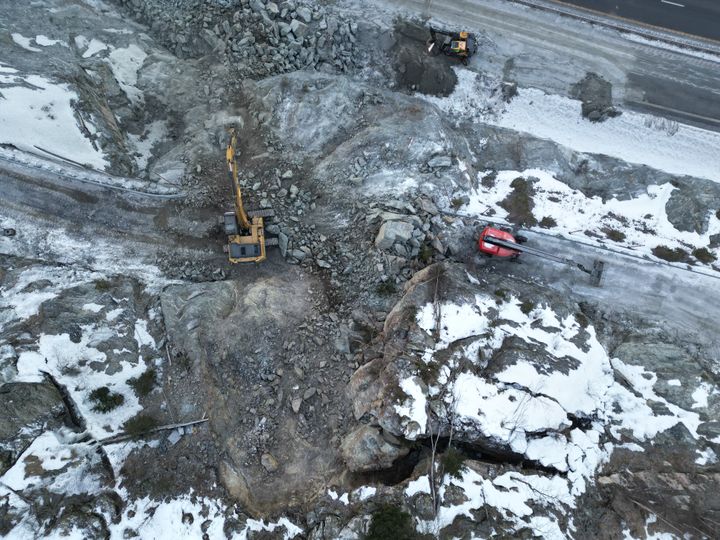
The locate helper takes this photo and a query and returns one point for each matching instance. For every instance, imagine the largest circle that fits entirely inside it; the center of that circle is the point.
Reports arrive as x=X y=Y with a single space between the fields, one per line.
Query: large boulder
x=366 y=450
x=393 y=231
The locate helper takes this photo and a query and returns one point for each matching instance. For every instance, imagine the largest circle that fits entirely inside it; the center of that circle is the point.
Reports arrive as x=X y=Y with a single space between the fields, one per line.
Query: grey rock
x=28 y=409
x=298 y=28
x=283 y=243
x=8 y=360
x=272 y=9
x=304 y=13
x=284 y=28
x=439 y=162
x=269 y=463
x=393 y=231
x=366 y=450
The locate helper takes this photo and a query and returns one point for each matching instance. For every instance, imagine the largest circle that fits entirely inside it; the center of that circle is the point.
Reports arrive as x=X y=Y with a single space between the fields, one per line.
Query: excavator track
x=269 y=212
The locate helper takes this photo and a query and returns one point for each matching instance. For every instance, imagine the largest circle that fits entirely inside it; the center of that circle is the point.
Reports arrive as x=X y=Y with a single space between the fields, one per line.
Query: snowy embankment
x=638 y=225
x=37 y=112
x=633 y=137
x=45 y=117
x=532 y=408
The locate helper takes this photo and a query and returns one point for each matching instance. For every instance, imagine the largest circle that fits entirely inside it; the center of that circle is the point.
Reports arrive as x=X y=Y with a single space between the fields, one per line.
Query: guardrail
x=666 y=35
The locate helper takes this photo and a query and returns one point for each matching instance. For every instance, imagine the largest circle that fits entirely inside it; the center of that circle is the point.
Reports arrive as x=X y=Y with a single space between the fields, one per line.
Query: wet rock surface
x=310 y=374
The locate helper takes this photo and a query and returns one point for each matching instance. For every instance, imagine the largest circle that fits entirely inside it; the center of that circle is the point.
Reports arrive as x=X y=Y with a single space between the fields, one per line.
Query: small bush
x=527 y=306
x=102 y=285
x=582 y=319
x=717 y=214
x=426 y=253
x=391 y=523
x=501 y=294
x=488 y=180
x=144 y=384
x=547 y=222
x=453 y=462
x=457 y=203
x=614 y=234
x=670 y=254
x=105 y=400
x=704 y=255
x=519 y=203
x=140 y=424
x=386 y=288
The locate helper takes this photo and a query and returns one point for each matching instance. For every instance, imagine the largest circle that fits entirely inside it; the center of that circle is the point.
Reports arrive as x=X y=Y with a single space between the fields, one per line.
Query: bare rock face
x=517 y=372
x=366 y=450
x=272 y=412
x=28 y=409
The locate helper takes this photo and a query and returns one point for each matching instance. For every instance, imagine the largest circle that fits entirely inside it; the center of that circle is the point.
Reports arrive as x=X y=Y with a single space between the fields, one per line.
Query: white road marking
x=672 y=3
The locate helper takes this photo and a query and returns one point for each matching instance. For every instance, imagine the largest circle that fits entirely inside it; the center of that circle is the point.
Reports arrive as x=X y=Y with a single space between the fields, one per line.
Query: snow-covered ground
x=39 y=112
x=528 y=407
x=633 y=137
x=636 y=225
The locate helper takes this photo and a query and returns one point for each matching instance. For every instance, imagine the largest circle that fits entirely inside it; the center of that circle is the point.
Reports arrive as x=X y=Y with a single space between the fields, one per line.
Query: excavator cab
x=245 y=230
x=460 y=45
x=505 y=243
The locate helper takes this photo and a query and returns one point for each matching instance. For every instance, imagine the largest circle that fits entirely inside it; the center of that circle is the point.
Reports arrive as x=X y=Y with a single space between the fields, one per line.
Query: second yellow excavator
x=245 y=230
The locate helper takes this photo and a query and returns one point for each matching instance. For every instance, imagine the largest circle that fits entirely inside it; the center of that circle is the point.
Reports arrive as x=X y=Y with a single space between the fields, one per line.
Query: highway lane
x=551 y=52
x=696 y=17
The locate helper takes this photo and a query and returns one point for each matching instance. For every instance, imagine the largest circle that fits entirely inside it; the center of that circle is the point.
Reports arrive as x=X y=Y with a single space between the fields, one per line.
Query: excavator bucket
x=597 y=272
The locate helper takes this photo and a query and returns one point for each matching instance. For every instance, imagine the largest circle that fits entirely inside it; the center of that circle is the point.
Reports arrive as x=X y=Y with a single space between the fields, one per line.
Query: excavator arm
x=245 y=230
x=595 y=272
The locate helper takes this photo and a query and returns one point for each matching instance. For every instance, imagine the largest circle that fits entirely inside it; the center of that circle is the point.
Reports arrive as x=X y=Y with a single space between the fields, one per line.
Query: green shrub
x=453 y=462
x=391 y=523
x=144 y=384
x=488 y=180
x=426 y=253
x=582 y=319
x=527 y=306
x=105 y=400
x=140 y=424
x=547 y=222
x=386 y=288
x=457 y=203
x=671 y=255
x=704 y=255
x=614 y=234
x=519 y=203
x=501 y=294
x=102 y=285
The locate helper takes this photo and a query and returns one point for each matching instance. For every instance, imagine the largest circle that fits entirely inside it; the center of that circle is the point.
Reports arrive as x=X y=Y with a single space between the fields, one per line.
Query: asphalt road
x=696 y=17
x=551 y=52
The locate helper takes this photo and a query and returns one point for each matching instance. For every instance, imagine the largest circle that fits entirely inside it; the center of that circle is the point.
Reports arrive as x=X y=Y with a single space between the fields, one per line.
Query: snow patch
x=125 y=64
x=24 y=42
x=39 y=112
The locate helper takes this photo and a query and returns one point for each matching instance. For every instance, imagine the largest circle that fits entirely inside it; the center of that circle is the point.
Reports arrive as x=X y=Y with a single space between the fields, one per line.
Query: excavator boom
x=245 y=230
x=487 y=238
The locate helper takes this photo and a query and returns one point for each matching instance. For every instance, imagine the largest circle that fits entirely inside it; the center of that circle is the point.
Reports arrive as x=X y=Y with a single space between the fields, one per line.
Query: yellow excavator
x=245 y=230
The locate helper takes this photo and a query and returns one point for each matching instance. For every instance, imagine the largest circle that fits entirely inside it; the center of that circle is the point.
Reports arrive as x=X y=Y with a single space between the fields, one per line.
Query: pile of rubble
x=256 y=37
